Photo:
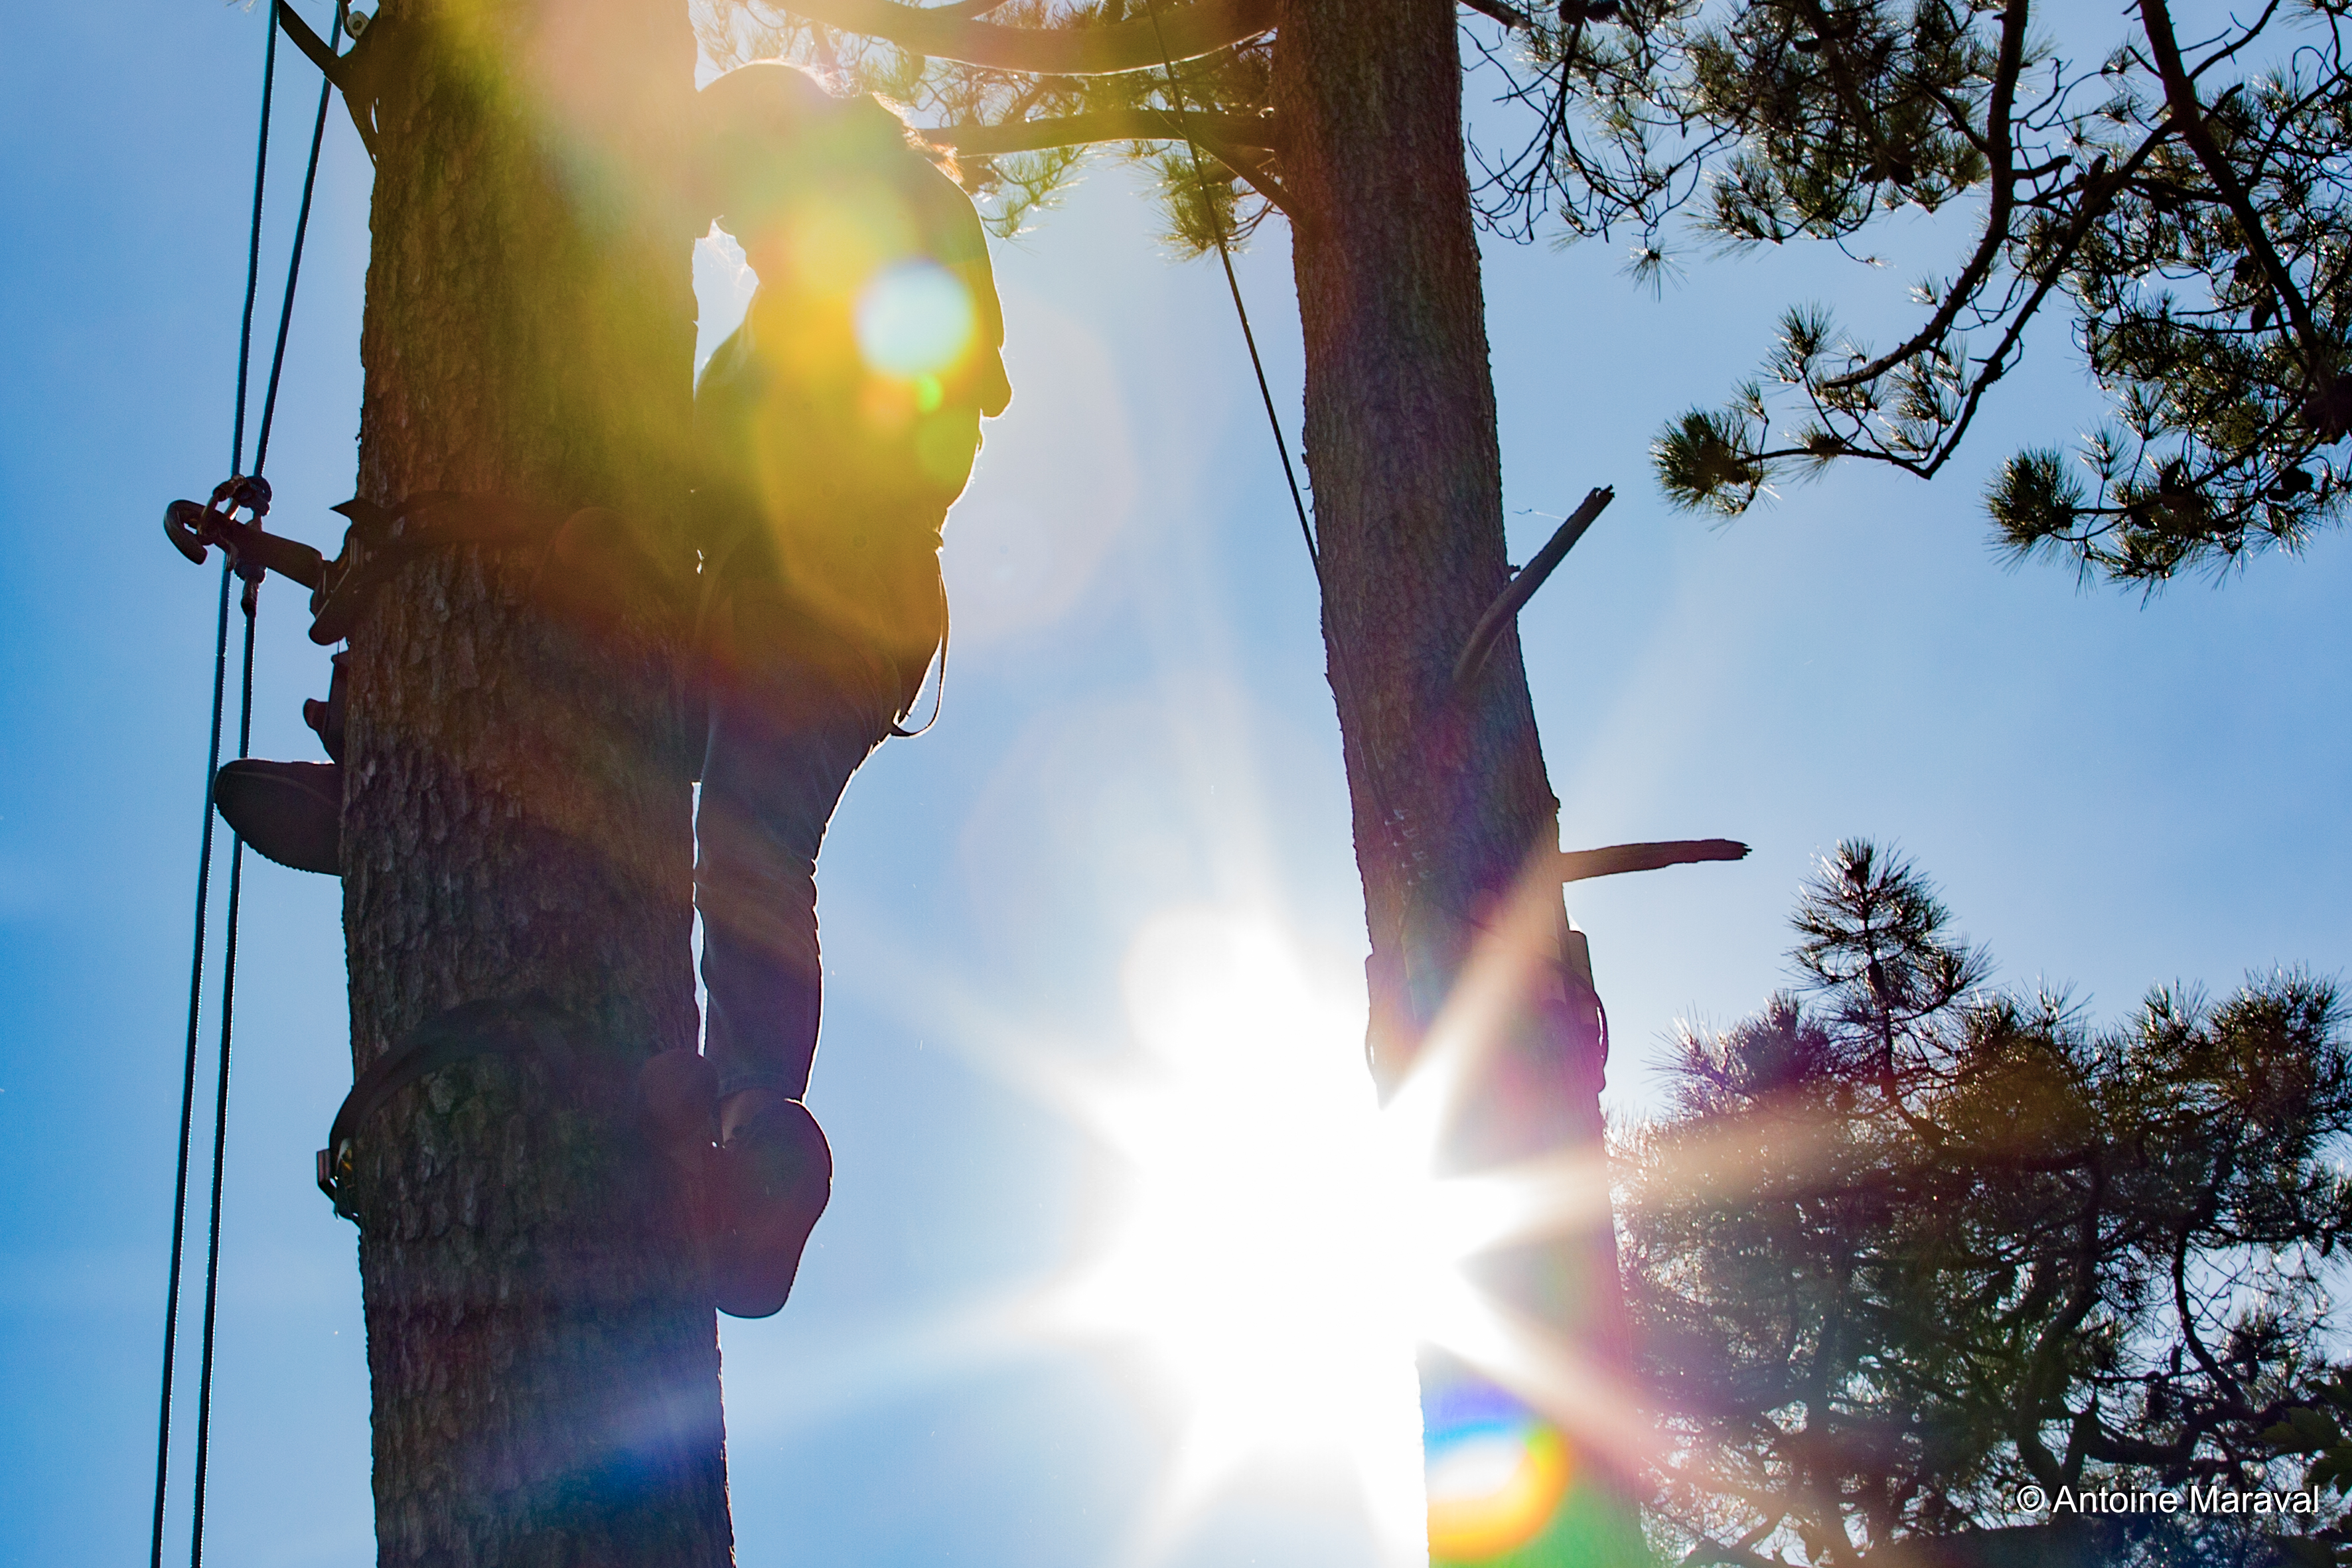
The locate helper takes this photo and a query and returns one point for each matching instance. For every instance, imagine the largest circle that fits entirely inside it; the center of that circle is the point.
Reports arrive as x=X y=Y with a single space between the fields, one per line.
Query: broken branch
x=1523 y=587
x=1201 y=29
x=1509 y=15
x=1103 y=125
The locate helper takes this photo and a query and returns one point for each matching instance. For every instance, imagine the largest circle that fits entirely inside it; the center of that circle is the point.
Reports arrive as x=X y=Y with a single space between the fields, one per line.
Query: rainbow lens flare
x=1498 y=1474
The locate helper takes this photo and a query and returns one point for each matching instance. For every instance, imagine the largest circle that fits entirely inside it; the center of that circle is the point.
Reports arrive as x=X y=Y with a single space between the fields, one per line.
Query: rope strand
x=220 y=1115
x=294 y=263
x=253 y=244
x=204 y=850
x=188 y=1080
x=1264 y=392
x=1233 y=284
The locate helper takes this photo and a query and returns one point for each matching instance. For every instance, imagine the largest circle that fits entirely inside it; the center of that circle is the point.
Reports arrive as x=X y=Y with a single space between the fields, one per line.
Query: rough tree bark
x=1450 y=798
x=546 y=1386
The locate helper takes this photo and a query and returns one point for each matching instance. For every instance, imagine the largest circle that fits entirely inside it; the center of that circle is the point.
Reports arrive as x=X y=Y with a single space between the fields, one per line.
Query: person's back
x=838 y=422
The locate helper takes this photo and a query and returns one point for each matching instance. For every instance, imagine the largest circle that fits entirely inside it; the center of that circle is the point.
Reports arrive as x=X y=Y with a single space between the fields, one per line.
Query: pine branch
x=2180 y=95
x=2000 y=130
x=1201 y=29
x=1102 y=125
x=1511 y=16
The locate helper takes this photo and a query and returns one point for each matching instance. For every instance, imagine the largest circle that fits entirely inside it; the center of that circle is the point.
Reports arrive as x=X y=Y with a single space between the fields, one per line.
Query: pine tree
x=1904 y=1244
x=516 y=820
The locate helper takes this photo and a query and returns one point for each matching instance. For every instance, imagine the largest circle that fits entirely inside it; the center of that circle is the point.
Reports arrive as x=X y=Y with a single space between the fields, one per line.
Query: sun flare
x=1277 y=1258
x=1283 y=1250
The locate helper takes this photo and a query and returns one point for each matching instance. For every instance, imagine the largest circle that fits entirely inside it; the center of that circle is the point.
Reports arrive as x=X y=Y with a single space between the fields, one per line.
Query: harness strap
x=382 y=540
x=940 y=691
x=463 y=1032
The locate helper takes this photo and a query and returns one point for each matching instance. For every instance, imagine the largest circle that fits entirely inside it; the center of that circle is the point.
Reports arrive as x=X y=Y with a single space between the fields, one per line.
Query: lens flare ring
x=915 y=320
x=1498 y=1473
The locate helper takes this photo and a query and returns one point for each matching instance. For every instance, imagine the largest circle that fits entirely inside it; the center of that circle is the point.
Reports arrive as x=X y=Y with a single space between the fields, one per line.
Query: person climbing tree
x=832 y=430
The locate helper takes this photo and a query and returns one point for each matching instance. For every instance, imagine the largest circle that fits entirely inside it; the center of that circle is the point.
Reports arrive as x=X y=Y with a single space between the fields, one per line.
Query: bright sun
x=1275 y=1262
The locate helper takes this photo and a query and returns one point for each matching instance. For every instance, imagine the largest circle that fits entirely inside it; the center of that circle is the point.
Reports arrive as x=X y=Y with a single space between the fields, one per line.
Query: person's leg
x=793 y=712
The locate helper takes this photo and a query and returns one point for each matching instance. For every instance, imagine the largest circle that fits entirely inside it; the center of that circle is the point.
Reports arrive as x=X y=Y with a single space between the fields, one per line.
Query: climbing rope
x=220 y=1113
x=294 y=263
x=1234 y=286
x=1342 y=673
x=251 y=491
x=188 y=1080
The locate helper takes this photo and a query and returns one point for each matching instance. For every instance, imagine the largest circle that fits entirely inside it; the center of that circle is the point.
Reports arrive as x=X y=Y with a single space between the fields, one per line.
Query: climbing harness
x=247 y=554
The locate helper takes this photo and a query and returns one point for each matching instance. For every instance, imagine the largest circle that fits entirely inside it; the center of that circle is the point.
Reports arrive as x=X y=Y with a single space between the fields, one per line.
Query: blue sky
x=2112 y=794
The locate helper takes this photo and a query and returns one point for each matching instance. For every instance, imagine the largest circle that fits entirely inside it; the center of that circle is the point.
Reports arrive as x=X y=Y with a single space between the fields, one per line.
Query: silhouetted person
x=833 y=429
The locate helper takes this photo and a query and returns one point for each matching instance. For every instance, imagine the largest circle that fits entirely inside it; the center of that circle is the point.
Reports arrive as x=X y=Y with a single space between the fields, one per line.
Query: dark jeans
x=795 y=708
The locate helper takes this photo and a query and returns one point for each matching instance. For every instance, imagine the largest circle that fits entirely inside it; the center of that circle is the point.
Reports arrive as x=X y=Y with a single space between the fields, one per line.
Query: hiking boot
x=774 y=1178
x=290 y=811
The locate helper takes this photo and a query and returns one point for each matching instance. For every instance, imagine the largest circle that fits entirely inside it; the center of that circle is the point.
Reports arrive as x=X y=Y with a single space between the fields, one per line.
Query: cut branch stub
x=1511 y=16
x=1581 y=865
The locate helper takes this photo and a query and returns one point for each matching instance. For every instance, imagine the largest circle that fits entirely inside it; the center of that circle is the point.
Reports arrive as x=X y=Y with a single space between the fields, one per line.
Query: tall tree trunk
x=546 y=1384
x=1449 y=793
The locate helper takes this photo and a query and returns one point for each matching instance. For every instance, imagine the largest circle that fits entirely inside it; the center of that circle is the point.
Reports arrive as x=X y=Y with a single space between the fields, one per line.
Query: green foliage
x=2224 y=353
x=2034 y=502
x=1710 y=460
x=1903 y=1242
x=1199 y=201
